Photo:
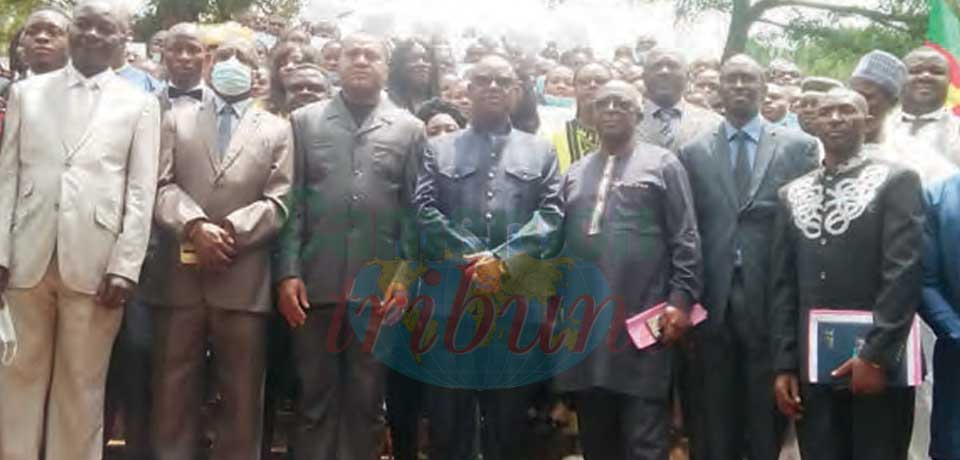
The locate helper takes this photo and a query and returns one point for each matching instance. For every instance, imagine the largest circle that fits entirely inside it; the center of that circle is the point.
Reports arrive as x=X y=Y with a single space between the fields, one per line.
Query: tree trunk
x=741 y=20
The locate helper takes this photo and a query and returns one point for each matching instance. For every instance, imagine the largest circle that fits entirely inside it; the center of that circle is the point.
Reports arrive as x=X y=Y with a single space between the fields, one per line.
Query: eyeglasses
x=614 y=103
x=484 y=81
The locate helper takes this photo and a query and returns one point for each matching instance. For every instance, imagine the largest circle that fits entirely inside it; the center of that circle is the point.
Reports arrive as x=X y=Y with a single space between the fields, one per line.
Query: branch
x=883 y=18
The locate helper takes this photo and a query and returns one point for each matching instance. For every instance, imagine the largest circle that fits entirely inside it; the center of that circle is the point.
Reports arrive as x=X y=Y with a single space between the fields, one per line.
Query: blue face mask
x=231 y=77
x=559 y=101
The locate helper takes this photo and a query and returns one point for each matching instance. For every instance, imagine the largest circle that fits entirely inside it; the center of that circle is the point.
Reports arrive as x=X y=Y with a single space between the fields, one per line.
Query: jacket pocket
x=523 y=173
x=24 y=203
x=107 y=218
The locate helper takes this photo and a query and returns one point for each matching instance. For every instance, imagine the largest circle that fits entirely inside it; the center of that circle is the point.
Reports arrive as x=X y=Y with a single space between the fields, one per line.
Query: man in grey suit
x=669 y=121
x=735 y=173
x=226 y=168
x=77 y=184
x=356 y=158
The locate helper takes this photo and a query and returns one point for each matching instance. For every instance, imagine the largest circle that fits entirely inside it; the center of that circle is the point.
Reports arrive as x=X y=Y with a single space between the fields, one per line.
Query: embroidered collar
x=848 y=165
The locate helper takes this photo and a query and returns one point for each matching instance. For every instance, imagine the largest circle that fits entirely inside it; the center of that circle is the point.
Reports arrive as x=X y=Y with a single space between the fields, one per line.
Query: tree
x=902 y=15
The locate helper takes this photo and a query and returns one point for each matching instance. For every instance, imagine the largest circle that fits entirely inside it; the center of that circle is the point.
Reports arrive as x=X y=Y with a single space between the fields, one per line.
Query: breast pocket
x=522 y=184
x=635 y=205
x=388 y=160
x=107 y=217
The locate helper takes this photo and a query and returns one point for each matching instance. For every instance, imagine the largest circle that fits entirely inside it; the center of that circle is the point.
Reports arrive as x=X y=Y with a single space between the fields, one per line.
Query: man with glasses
x=629 y=210
x=491 y=195
x=735 y=173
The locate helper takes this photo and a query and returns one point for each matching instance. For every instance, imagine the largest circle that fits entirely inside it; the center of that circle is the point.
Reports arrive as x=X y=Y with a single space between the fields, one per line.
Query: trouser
x=837 y=425
x=53 y=392
x=615 y=426
x=281 y=383
x=339 y=414
x=238 y=342
x=506 y=425
x=128 y=381
x=945 y=421
x=735 y=410
x=404 y=406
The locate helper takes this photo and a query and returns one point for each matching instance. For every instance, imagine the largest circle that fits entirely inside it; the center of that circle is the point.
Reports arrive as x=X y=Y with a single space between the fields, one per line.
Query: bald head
x=495 y=62
x=742 y=89
x=619 y=88
x=665 y=76
x=363 y=67
x=98 y=34
x=366 y=39
x=928 y=78
x=188 y=30
x=841 y=123
x=616 y=114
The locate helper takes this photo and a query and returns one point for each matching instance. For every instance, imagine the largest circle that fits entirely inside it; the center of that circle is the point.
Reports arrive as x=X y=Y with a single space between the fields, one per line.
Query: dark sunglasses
x=484 y=81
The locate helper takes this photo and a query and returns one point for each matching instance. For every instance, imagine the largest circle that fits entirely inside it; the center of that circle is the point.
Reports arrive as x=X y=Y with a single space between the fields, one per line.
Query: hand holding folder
x=645 y=330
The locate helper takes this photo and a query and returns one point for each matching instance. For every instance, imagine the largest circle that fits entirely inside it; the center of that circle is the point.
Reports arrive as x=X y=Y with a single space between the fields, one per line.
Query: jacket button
x=490 y=194
x=488 y=216
x=823 y=276
x=823 y=241
x=491 y=174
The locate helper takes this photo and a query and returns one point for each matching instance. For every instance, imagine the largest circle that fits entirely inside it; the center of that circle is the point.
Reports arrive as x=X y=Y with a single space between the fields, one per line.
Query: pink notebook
x=644 y=328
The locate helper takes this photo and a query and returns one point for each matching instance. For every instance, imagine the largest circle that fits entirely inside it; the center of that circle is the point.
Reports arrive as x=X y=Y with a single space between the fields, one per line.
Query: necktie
x=225 y=129
x=174 y=92
x=667 y=133
x=604 y=188
x=742 y=171
x=82 y=97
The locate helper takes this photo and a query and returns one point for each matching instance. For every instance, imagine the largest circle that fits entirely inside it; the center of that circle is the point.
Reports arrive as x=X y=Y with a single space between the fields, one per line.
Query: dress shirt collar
x=654 y=109
x=240 y=106
x=753 y=128
x=502 y=130
x=74 y=77
x=932 y=116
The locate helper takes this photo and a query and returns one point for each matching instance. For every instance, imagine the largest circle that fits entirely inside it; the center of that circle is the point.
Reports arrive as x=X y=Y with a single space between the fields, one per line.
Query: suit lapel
x=207 y=126
x=765 y=149
x=721 y=157
x=104 y=98
x=247 y=127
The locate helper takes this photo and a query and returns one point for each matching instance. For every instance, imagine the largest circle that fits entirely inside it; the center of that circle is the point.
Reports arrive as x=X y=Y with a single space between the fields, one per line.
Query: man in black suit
x=735 y=172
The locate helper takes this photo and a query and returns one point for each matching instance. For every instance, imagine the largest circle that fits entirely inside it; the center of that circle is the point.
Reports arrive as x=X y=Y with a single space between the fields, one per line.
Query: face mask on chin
x=559 y=101
x=231 y=77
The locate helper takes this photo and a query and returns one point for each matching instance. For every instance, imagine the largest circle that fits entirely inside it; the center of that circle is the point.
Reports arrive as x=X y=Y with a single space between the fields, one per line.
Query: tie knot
x=667 y=113
x=228 y=109
x=742 y=136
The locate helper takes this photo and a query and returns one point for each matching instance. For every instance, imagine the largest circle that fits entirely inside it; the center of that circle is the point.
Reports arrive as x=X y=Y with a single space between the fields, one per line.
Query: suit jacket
x=91 y=200
x=352 y=195
x=850 y=239
x=247 y=188
x=480 y=192
x=725 y=226
x=941 y=290
x=694 y=122
x=648 y=250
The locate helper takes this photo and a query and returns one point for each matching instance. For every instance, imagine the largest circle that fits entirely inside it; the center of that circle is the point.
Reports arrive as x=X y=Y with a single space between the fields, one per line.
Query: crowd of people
x=180 y=231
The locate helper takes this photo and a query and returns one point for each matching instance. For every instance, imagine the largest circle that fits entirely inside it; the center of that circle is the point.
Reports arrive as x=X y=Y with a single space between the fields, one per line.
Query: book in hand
x=644 y=328
x=836 y=336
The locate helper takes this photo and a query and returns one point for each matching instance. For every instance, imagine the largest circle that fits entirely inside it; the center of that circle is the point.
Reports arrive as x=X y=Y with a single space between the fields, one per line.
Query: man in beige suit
x=78 y=176
x=225 y=170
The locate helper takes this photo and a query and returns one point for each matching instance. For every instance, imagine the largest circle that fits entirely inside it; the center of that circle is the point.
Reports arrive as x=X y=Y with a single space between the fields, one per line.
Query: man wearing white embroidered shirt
x=77 y=183
x=852 y=208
